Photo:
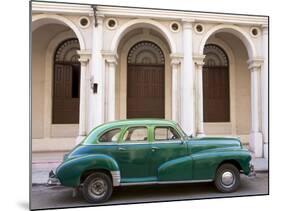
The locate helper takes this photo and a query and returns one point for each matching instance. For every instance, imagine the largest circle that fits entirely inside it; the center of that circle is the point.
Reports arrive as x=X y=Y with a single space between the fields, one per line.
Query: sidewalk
x=43 y=163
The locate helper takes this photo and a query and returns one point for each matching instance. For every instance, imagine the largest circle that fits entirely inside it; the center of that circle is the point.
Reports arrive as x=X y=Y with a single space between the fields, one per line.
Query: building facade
x=94 y=64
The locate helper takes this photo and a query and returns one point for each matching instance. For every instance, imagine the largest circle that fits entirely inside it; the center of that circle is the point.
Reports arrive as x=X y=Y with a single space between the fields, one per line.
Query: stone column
x=256 y=143
x=264 y=89
x=96 y=100
x=198 y=65
x=111 y=61
x=187 y=81
x=175 y=63
x=84 y=60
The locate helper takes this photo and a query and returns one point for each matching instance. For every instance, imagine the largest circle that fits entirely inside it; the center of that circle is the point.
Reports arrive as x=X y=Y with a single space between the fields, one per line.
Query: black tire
x=97 y=188
x=227 y=178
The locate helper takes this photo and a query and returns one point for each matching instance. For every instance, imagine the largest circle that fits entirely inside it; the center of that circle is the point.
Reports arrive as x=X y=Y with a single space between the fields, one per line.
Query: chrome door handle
x=154 y=148
x=121 y=148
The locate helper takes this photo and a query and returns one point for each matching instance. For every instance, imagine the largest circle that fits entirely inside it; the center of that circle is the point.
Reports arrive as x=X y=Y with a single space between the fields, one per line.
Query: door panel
x=170 y=161
x=132 y=155
x=133 y=161
x=145 y=86
x=216 y=94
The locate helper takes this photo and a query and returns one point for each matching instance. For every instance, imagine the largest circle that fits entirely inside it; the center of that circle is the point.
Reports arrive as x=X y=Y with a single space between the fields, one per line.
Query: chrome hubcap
x=227 y=178
x=97 y=188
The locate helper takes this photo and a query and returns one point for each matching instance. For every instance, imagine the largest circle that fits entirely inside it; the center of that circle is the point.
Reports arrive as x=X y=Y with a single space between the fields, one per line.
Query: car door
x=169 y=160
x=132 y=154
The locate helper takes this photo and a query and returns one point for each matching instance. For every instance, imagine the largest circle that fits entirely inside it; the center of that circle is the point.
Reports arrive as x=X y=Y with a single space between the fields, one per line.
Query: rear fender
x=70 y=171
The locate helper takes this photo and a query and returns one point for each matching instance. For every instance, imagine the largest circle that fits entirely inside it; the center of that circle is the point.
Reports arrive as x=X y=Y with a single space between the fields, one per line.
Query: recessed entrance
x=145 y=81
x=216 y=97
x=66 y=84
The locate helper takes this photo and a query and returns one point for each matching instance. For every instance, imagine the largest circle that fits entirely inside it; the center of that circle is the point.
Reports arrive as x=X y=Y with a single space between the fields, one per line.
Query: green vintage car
x=149 y=151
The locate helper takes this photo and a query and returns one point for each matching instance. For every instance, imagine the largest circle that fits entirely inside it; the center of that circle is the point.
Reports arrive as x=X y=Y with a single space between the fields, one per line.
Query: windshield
x=185 y=136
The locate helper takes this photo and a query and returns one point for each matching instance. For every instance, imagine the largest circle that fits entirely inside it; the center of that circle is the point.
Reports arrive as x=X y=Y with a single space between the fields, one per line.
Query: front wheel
x=97 y=188
x=227 y=178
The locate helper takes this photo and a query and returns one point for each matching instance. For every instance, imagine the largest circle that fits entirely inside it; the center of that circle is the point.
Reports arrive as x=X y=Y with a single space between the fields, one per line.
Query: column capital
x=85 y=56
x=187 y=23
x=199 y=60
x=176 y=58
x=110 y=57
x=255 y=64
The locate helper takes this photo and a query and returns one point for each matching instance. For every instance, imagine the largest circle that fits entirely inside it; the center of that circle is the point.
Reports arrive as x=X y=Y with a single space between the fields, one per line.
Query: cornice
x=110 y=11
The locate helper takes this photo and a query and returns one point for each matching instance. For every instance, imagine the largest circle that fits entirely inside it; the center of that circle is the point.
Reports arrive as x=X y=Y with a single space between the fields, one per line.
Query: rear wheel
x=97 y=188
x=227 y=178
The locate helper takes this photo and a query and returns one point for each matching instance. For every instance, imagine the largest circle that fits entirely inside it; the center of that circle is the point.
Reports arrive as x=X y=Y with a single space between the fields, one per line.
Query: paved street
x=46 y=197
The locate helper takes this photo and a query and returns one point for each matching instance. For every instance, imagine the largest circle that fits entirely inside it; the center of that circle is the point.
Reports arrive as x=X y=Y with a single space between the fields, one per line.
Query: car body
x=150 y=151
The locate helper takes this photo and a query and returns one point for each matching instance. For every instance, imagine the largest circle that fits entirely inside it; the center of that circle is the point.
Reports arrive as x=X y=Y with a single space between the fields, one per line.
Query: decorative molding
x=178 y=25
x=87 y=25
x=255 y=64
x=176 y=59
x=199 y=59
x=110 y=57
x=196 y=30
x=146 y=52
x=111 y=27
x=62 y=8
x=110 y=11
x=85 y=56
x=258 y=31
x=215 y=56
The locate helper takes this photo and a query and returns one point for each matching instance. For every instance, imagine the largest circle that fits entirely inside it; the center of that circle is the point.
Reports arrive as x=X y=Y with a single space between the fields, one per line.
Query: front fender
x=177 y=169
x=206 y=162
x=70 y=171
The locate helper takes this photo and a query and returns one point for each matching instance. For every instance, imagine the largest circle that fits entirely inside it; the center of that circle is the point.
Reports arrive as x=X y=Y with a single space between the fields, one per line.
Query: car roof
x=133 y=122
x=127 y=122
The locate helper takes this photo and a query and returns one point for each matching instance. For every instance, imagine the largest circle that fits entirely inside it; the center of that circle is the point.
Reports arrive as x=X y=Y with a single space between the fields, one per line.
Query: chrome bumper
x=53 y=180
x=252 y=171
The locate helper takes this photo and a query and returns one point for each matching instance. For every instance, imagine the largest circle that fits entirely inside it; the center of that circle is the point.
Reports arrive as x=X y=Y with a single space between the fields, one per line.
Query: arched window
x=66 y=83
x=216 y=102
x=145 y=81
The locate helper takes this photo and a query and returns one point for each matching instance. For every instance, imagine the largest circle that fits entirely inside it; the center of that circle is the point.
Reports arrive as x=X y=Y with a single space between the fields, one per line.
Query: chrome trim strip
x=168 y=142
x=116 y=178
x=166 y=182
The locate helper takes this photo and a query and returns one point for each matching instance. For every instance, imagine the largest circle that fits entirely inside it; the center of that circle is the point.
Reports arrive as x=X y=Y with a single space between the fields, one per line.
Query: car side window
x=165 y=133
x=135 y=134
x=110 y=136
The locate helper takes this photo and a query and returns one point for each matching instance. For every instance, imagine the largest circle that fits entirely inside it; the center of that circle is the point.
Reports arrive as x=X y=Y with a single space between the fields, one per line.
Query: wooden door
x=216 y=101
x=145 y=91
x=66 y=94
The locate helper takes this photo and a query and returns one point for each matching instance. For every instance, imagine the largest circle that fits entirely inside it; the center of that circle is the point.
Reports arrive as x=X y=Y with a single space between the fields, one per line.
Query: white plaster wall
x=85 y=32
x=110 y=33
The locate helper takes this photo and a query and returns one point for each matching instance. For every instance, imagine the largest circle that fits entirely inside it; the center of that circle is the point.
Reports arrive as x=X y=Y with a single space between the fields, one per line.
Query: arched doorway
x=145 y=81
x=66 y=83
x=216 y=85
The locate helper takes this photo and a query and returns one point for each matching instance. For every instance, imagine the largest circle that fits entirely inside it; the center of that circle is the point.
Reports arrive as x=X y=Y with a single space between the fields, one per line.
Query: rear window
x=110 y=136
